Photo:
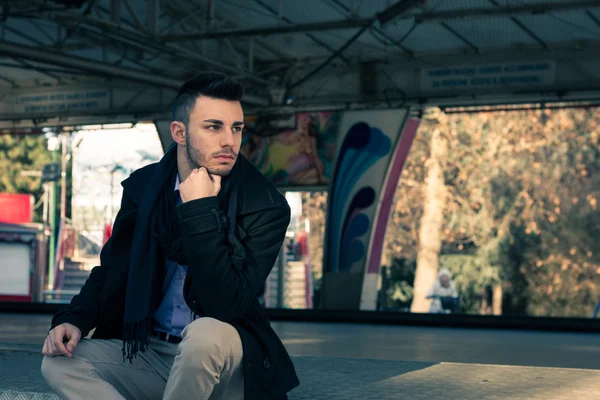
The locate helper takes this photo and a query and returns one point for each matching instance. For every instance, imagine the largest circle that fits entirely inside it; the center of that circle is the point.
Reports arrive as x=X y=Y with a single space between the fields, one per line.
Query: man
x=174 y=298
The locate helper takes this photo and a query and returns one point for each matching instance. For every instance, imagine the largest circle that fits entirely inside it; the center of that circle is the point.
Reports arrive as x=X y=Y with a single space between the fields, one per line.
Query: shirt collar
x=176 y=182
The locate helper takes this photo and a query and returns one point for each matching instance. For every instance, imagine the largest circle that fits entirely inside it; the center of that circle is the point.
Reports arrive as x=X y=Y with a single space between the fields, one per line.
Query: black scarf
x=157 y=237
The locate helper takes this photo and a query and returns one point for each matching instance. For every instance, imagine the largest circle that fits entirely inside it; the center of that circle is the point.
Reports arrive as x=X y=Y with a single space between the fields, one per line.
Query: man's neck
x=183 y=167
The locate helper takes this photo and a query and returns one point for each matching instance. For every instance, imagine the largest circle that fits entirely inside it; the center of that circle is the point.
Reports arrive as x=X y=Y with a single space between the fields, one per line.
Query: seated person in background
x=442 y=288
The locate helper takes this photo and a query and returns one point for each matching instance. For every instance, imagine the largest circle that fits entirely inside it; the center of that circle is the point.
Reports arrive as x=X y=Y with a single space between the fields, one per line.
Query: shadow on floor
x=344 y=378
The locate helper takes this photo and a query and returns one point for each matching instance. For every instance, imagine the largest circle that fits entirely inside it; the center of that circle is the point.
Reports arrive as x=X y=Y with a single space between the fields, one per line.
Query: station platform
x=354 y=361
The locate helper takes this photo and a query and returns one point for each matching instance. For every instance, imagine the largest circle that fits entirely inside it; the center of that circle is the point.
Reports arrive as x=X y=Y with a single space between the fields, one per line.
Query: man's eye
x=237 y=129
x=213 y=127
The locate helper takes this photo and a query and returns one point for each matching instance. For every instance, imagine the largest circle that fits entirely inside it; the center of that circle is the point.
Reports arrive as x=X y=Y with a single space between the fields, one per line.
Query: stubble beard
x=197 y=159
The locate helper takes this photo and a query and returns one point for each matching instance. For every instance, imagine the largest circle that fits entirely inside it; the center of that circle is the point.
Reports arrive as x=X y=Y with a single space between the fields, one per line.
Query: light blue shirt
x=173 y=314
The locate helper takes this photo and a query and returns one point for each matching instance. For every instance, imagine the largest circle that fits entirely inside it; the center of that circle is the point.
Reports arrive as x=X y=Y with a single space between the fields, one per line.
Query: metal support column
x=52 y=220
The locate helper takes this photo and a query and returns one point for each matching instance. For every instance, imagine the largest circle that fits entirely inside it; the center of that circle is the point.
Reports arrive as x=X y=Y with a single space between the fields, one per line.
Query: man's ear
x=178 y=132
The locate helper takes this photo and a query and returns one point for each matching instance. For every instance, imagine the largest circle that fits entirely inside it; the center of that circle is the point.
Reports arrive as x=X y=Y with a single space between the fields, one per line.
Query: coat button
x=267 y=364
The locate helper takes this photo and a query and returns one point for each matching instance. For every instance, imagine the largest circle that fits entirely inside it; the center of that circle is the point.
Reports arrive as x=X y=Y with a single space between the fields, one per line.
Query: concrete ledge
x=365 y=379
x=384 y=318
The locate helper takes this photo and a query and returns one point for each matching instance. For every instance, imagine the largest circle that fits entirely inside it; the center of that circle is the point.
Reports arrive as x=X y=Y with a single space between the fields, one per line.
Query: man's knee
x=209 y=338
x=53 y=370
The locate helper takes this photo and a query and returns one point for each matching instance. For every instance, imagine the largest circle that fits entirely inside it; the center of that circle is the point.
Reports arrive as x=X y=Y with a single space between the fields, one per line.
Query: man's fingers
x=73 y=342
x=51 y=348
x=62 y=349
x=50 y=342
x=59 y=336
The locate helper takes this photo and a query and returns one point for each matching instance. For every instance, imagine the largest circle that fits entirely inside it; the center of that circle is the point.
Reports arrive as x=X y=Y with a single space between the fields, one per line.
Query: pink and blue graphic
x=389 y=190
x=371 y=151
x=362 y=147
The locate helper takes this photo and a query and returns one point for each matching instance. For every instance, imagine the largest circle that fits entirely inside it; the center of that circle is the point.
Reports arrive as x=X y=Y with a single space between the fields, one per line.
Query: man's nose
x=227 y=138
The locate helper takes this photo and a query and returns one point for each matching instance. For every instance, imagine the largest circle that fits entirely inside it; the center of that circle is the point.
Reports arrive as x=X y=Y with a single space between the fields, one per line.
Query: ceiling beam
x=345 y=10
x=397 y=10
x=271 y=30
x=133 y=15
x=504 y=11
x=386 y=15
x=460 y=37
x=423 y=17
x=545 y=95
x=582 y=52
x=222 y=19
x=104 y=69
x=281 y=17
x=153 y=16
x=145 y=42
x=12 y=83
x=593 y=17
x=115 y=11
x=524 y=28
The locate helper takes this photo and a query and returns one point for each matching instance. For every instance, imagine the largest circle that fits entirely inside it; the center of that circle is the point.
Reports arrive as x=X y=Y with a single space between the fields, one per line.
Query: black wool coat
x=215 y=286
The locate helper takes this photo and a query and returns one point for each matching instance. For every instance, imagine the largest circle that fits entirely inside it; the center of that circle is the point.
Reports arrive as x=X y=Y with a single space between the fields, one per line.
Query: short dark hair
x=210 y=84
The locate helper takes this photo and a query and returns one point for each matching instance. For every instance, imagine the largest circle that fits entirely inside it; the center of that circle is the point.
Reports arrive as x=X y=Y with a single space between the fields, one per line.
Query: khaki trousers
x=207 y=364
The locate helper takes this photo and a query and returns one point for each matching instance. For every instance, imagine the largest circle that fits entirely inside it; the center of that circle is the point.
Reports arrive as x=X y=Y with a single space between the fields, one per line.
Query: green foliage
x=401 y=275
x=20 y=153
x=521 y=209
x=23 y=153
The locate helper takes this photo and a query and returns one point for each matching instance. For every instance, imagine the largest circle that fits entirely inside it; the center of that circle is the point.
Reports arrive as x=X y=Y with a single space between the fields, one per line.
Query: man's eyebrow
x=217 y=122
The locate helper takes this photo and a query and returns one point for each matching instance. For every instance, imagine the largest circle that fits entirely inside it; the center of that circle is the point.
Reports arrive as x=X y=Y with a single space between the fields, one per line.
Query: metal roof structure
x=129 y=56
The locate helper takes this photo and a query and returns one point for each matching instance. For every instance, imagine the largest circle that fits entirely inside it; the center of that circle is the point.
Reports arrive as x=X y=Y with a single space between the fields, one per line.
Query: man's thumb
x=73 y=341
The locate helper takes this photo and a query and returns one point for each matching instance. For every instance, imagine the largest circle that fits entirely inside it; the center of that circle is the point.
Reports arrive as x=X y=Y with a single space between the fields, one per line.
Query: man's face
x=445 y=280
x=214 y=135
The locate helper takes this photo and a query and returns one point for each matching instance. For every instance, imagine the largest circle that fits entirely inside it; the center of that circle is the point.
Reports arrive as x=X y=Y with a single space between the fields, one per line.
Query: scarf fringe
x=136 y=337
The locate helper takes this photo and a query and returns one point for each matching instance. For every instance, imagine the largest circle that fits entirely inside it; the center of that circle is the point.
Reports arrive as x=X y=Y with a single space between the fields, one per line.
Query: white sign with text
x=80 y=100
x=491 y=76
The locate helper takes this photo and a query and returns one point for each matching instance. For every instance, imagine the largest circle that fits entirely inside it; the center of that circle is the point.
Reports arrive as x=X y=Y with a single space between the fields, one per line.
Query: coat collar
x=255 y=191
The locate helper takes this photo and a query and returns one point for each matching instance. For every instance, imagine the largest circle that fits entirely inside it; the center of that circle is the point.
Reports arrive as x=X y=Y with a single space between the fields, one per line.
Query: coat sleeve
x=84 y=308
x=216 y=286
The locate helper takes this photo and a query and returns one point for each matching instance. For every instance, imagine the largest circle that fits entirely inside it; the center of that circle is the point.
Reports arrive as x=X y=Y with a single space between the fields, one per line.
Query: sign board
x=490 y=76
x=15 y=209
x=51 y=172
x=79 y=100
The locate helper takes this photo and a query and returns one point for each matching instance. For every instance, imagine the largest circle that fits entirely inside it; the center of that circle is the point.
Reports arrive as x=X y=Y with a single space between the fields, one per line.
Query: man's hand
x=54 y=346
x=199 y=184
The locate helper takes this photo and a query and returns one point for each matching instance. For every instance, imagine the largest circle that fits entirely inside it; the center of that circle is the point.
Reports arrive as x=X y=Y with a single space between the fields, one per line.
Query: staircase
x=74 y=275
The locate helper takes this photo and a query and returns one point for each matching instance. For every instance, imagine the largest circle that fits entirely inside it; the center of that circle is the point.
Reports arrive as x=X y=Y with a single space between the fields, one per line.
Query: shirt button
x=178 y=306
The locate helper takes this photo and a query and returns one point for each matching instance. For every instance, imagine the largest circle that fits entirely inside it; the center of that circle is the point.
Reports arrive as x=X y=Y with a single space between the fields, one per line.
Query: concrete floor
x=350 y=361
x=478 y=346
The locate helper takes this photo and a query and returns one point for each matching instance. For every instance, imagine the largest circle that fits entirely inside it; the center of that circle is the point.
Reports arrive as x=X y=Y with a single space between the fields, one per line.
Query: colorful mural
x=296 y=157
x=362 y=147
x=372 y=147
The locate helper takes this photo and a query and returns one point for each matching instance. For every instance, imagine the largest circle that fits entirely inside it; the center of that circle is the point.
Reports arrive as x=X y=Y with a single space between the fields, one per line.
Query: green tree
x=23 y=153
x=19 y=153
x=520 y=187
